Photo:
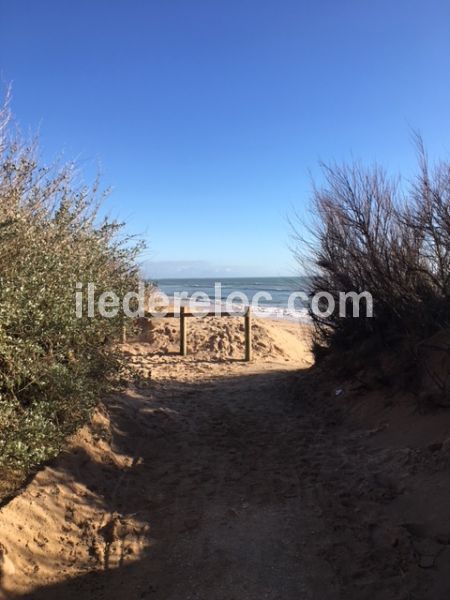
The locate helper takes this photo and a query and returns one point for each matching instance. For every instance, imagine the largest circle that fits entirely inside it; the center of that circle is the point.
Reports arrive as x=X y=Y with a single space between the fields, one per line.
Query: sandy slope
x=213 y=479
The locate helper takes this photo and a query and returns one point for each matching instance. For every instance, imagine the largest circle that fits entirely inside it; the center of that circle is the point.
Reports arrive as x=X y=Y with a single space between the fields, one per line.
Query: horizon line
x=233 y=277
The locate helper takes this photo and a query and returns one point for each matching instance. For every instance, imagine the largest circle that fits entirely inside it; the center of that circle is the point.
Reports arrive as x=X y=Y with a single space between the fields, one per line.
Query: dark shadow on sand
x=218 y=442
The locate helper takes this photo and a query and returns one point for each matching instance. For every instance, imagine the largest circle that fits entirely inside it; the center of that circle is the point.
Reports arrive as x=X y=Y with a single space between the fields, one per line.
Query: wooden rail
x=183 y=315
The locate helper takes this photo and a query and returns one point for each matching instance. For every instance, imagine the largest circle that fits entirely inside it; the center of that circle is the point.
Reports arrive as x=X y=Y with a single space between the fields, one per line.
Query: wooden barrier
x=248 y=335
x=183 y=315
x=183 y=332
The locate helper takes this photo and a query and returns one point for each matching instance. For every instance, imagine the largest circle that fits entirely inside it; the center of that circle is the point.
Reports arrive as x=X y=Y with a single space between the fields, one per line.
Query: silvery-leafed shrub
x=53 y=365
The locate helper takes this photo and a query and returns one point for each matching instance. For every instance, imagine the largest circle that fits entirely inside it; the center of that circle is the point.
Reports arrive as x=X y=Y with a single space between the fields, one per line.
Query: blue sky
x=207 y=117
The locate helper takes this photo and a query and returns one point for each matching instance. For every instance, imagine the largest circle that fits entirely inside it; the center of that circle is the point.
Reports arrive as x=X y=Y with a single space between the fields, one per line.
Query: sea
x=274 y=303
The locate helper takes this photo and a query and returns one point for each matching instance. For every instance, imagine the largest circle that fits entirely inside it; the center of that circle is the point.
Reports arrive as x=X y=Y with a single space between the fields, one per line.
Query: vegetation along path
x=204 y=480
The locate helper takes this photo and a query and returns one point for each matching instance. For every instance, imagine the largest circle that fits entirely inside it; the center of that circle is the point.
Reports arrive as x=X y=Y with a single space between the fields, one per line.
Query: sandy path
x=224 y=494
x=213 y=479
x=207 y=455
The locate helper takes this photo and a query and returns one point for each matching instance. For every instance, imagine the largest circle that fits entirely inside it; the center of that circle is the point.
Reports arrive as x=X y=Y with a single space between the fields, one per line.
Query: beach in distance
x=272 y=293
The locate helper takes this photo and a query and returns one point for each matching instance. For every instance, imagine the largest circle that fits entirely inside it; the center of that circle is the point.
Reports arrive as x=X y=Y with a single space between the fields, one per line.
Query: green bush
x=53 y=365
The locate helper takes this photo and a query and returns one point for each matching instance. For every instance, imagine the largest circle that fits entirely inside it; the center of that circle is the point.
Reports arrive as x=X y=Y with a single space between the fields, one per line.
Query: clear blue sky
x=206 y=117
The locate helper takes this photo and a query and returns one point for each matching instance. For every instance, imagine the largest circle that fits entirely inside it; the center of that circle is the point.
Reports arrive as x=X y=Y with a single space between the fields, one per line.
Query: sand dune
x=212 y=478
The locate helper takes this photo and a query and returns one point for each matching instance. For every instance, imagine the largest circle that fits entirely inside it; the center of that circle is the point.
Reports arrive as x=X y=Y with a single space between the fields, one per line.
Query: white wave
x=265 y=312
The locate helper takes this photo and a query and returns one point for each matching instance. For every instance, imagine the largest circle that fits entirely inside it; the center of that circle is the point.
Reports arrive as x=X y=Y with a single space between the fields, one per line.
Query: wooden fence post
x=248 y=334
x=183 y=332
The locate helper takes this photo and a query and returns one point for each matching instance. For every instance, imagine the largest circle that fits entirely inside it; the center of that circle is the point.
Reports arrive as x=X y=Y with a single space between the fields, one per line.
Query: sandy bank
x=209 y=477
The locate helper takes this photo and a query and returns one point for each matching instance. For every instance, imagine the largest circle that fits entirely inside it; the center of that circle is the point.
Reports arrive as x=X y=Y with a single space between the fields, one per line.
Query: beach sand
x=209 y=478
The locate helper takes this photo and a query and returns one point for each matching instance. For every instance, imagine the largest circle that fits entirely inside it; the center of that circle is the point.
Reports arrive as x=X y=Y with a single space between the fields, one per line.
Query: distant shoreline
x=268 y=296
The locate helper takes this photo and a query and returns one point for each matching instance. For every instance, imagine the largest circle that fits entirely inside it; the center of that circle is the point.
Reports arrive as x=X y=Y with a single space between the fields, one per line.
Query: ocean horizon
x=278 y=288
